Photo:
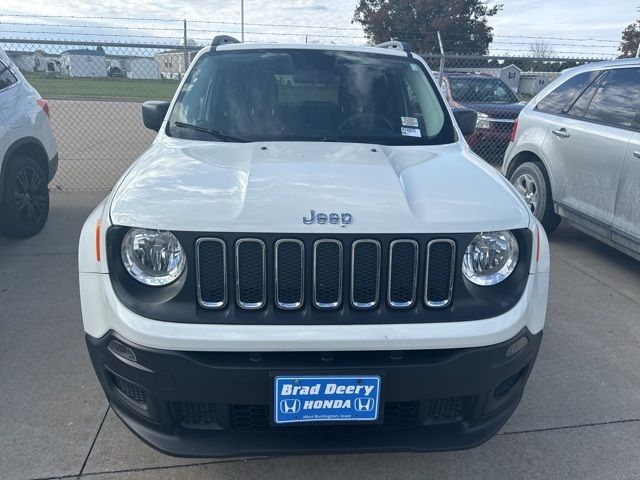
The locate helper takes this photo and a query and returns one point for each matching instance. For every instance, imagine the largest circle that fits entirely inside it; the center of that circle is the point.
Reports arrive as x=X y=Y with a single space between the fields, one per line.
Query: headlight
x=490 y=258
x=483 y=121
x=152 y=257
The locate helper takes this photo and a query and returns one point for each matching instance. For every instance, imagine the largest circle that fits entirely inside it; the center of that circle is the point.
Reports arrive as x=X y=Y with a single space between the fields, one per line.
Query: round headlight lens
x=490 y=258
x=152 y=257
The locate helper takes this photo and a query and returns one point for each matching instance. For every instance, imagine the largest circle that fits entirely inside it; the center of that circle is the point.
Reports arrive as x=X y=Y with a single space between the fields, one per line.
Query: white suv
x=309 y=258
x=576 y=153
x=28 y=154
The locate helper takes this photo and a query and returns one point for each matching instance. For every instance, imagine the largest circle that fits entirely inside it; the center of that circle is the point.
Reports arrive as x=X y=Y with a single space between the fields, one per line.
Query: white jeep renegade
x=309 y=258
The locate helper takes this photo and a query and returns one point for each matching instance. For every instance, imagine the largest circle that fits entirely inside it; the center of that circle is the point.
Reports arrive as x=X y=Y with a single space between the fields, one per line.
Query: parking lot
x=579 y=418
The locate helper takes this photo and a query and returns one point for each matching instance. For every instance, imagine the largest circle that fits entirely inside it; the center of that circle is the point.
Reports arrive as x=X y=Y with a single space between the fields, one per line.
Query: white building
x=142 y=68
x=38 y=61
x=25 y=61
x=172 y=63
x=83 y=63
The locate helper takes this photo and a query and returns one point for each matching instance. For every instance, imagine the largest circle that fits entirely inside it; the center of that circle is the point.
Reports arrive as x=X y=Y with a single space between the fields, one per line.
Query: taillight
x=45 y=106
x=514 y=130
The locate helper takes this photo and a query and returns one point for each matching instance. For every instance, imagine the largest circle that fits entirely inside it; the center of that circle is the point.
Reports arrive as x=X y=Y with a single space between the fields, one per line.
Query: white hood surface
x=267 y=187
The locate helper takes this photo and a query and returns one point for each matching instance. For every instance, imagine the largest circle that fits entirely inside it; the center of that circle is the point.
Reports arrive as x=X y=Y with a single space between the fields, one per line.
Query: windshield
x=310 y=95
x=481 y=90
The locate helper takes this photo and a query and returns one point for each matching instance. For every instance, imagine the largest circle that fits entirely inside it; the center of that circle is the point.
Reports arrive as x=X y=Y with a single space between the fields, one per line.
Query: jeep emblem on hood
x=343 y=219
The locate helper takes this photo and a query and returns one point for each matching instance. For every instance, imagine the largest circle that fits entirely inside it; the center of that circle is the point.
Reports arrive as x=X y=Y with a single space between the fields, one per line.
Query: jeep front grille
x=403 y=273
x=251 y=273
x=289 y=274
x=440 y=273
x=211 y=271
x=329 y=274
x=365 y=273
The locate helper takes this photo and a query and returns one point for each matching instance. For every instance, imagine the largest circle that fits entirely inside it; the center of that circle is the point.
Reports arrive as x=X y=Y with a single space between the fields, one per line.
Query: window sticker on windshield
x=410 y=122
x=415 y=67
x=411 y=132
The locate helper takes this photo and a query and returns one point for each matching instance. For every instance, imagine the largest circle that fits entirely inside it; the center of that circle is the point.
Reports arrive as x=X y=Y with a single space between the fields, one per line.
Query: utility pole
x=441 y=79
x=242 y=19
x=186 y=48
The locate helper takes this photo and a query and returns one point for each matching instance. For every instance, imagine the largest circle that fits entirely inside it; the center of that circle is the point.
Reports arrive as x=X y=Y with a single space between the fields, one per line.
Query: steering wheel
x=365 y=120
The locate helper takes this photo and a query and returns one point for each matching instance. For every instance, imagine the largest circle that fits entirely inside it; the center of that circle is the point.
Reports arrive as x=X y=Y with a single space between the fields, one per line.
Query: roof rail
x=223 y=40
x=395 y=45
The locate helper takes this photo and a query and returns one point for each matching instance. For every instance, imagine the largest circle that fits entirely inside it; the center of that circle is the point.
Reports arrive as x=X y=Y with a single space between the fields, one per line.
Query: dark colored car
x=116 y=72
x=497 y=107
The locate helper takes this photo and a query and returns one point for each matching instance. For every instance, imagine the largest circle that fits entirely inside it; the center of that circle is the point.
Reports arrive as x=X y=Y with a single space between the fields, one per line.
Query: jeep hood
x=187 y=185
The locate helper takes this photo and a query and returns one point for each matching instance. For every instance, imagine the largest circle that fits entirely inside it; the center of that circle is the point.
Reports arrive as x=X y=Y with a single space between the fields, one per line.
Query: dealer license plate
x=326 y=399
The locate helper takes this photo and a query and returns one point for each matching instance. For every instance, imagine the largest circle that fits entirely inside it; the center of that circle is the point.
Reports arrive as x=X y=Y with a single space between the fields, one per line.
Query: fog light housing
x=122 y=351
x=517 y=346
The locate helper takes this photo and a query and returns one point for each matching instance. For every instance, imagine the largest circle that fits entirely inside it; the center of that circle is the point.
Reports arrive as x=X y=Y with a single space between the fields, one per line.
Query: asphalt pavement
x=579 y=418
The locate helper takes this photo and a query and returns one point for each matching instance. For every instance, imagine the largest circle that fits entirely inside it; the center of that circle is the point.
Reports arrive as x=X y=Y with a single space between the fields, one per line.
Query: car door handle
x=561 y=133
x=636 y=153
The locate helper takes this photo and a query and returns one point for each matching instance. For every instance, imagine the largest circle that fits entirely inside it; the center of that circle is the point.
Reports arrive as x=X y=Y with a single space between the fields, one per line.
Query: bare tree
x=541 y=49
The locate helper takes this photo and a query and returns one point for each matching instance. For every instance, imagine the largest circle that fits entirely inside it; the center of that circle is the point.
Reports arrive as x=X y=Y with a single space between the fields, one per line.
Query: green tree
x=630 y=40
x=463 y=24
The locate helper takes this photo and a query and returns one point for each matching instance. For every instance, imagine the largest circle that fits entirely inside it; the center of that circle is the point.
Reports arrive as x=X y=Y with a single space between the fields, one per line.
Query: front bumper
x=103 y=312
x=217 y=404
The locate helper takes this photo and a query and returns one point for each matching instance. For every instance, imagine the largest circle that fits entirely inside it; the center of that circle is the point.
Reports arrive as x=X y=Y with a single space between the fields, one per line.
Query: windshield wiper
x=211 y=131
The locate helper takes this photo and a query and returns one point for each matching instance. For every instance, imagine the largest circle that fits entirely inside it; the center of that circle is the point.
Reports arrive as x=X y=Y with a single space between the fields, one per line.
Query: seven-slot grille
x=369 y=265
x=441 y=255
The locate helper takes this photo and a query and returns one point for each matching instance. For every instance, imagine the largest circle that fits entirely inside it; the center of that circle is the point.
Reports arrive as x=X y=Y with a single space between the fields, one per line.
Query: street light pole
x=242 y=19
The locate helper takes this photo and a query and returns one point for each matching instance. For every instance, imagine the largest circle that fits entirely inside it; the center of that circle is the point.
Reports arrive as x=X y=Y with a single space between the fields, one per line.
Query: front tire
x=532 y=182
x=24 y=206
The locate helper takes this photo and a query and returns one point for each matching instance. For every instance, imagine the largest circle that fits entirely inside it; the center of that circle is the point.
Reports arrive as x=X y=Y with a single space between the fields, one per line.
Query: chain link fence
x=95 y=90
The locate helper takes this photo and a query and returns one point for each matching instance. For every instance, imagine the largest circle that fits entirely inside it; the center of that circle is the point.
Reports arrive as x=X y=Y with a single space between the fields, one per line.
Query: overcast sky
x=579 y=19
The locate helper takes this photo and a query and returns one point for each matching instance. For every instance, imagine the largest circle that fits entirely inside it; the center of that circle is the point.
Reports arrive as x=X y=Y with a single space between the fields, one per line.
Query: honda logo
x=290 y=406
x=364 y=404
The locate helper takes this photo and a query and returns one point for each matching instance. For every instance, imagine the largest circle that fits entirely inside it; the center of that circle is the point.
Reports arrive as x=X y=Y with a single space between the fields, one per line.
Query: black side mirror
x=466 y=119
x=153 y=113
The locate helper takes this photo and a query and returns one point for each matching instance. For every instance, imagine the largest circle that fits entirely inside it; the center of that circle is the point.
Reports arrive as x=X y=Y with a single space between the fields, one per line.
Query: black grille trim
x=178 y=302
x=321 y=303
x=280 y=284
x=251 y=304
x=355 y=268
x=443 y=282
x=201 y=283
x=393 y=301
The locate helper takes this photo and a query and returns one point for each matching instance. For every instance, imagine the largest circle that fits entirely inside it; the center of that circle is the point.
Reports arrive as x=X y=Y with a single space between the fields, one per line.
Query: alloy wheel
x=30 y=195
x=528 y=188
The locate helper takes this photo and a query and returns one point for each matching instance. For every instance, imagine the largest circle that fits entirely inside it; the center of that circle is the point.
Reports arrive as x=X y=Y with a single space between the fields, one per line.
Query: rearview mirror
x=153 y=113
x=466 y=119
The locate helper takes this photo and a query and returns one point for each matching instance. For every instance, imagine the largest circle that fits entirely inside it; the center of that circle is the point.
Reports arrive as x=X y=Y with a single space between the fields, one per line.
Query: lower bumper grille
x=195 y=414
x=199 y=415
x=447 y=408
x=130 y=390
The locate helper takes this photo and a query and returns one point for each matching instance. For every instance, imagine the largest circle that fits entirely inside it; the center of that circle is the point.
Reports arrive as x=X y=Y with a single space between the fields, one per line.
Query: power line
x=278 y=25
x=110 y=27
x=89 y=17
